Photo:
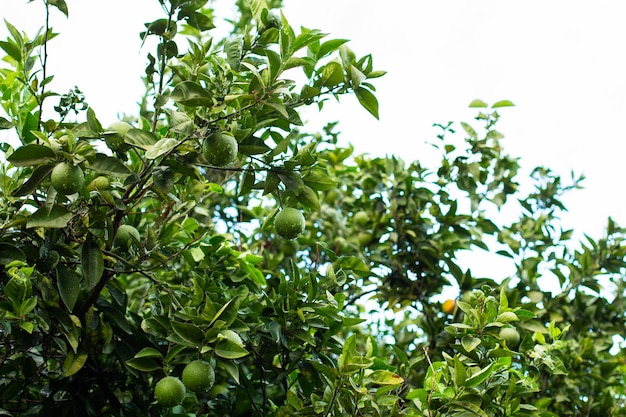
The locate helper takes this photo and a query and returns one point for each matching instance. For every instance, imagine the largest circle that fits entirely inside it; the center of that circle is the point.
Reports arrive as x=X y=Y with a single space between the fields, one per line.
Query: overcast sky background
x=562 y=62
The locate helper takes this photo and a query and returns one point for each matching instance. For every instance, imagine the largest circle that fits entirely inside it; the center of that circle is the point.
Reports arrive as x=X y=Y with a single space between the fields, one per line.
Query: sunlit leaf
x=191 y=94
x=368 y=100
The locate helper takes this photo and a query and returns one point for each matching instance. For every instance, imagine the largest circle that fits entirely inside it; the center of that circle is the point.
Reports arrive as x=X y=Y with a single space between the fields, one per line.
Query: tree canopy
x=210 y=256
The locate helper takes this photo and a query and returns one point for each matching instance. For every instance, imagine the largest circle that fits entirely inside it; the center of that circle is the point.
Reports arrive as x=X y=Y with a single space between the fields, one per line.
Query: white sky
x=562 y=62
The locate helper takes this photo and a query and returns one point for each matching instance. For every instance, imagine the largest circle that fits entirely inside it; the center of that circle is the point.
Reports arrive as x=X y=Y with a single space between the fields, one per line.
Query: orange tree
x=141 y=273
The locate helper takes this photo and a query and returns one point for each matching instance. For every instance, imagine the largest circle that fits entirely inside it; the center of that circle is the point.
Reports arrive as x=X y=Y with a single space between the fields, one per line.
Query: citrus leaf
x=332 y=74
x=318 y=181
x=368 y=100
x=470 y=343
x=162 y=147
x=149 y=353
x=353 y=264
x=233 y=49
x=69 y=285
x=31 y=155
x=189 y=93
x=56 y=217
x=228 y=349
x=188 y=332
x=308 y=198
x=73 y=363
x=4 y=123
x=92 y=261
x=502 y=103
x=232 y=369
x=506 y=317
x=140 y=138
x=38 y=175
x=108 y=165
x=383 y=377
x=10 y=253
x=144 y=364
x=257 y=7
x=478 y=103
x=61 y=5
x=181 y=123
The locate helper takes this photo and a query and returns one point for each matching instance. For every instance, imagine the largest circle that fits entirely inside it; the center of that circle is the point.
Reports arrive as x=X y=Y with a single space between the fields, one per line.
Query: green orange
x=220 y=149
x=169 y=391
x=67 y=178
x=289 y=223
x=198 y=376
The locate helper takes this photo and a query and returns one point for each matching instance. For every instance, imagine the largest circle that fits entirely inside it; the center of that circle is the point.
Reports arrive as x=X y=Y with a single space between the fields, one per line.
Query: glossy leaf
x=32 y=155
x=189 y=93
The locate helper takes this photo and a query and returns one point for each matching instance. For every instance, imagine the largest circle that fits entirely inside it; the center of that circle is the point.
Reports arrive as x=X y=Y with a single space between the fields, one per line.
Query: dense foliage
x=130 y=251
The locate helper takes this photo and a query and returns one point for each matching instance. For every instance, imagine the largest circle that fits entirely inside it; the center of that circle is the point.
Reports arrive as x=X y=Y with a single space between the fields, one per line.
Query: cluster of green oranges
x=198 y=376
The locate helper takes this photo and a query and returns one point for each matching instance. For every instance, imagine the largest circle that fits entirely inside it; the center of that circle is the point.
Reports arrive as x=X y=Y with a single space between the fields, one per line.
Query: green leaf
x=228 y=349
x=108 y=165
x=234 y=48
x=331 y=74
x=502 y=103
x=188 y=332
x=140 y=138
x=56 y=217
x=144 y=364
x=319 y=181
x=329 y=47
x=39 y=174
x=181 y=123
x=356 y=77
x=12 y=50
x=470 y=130
x=92 y=262
x=507 y=317
x=308 y=198
x=92 y=121
x=257 y=7
x=5 y=124
x=73 y=363
x=10 y=253
x=189 y=93
x=478 y=103
x=470 y=343
x=482 y=375
x=69 y=285
x=61 y=5
x=32 y=154
x=354 y=264
x=162 y=147
x=368 y=100
x=383 y=377
x=148 y=352
x=232 y=369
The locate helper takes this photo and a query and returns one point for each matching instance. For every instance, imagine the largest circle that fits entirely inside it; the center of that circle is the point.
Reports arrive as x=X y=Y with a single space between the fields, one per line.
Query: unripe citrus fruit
x=510 y=336
x=364 y=238
x=289 y=223
x=449 y=306
x=198 y=376
x=169 y=391
x=360 y=218
x=67 y=179
x=331 y=196
x=99 y=183
x=126 y=236
x=220 y=149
